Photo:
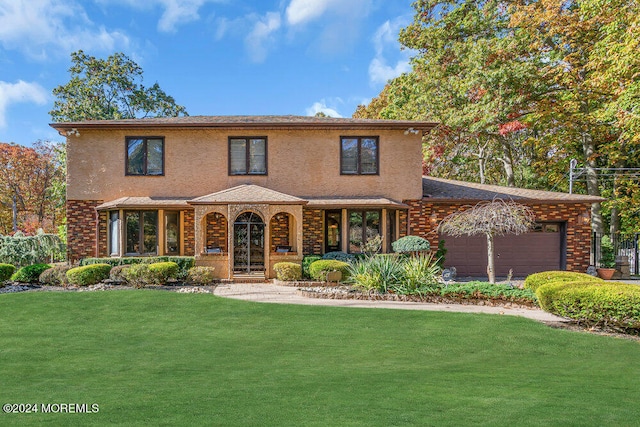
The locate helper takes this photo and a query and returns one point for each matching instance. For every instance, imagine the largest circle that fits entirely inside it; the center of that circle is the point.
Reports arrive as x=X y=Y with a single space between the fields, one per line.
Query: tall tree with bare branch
x=494 y=218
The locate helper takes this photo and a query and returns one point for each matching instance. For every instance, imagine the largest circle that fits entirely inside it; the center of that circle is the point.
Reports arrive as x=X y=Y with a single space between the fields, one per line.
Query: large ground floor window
x=364 y=225
x=141 y=232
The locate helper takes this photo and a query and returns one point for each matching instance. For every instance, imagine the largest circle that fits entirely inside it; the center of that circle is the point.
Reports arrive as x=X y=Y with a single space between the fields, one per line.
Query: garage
x=540 y=250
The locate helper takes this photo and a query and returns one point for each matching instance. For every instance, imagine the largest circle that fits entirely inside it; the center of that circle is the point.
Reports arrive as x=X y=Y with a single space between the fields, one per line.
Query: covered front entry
x=242 y=232
x=248 y=243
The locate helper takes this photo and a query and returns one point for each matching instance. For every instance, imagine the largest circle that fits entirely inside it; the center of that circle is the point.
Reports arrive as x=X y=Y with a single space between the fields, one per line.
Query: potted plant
x=607 y=259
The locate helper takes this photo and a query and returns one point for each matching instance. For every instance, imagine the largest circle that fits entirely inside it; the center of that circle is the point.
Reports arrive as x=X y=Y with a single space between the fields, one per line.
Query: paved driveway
x=267 y=292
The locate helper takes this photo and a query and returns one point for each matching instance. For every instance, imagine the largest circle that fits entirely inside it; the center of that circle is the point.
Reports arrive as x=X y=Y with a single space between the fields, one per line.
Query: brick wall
x=189 y=233
x=81 y=229
x=279 y=230
x=216 y=231
x=312 y=224
x=424 y=217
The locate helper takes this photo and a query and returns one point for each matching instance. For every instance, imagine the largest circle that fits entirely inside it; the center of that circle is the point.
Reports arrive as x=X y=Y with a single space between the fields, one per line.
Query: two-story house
x=241 y=193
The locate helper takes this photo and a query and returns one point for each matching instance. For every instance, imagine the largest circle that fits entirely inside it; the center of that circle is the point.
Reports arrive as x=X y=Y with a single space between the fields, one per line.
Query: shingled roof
x=248 y=193
x=449 y=190
x=247 y=122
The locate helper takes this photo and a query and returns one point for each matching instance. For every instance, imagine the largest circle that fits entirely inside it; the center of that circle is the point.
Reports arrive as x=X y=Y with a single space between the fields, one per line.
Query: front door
x=332 y=231
x=248 y=243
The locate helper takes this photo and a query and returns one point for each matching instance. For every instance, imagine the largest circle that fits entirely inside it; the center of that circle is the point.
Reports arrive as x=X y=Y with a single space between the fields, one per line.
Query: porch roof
x=449 y=190
x=146 y=202
x=354 y=202
x=248 y=193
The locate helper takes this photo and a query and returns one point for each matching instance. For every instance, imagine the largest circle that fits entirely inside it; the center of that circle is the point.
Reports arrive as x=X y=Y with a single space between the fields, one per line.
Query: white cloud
x=175 y=12
x=22 y=91
x=302 y=11
x=321 y=107
x=385 y=39
x=35 y=26
x=260 y=37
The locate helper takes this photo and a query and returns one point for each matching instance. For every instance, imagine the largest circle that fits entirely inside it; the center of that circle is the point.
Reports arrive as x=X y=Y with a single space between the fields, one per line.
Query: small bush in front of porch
x=318 y=270
x=201 y=275
x=6 y=271
x=288 y=271
x=88 y=275
x=162 y=272
x=29 y=273
x=339 y=256
x=117 y=273
x=55 y=276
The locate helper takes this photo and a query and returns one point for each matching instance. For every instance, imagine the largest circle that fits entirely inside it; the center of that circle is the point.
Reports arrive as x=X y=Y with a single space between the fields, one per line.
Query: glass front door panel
x=248 y=242
x=333 y=230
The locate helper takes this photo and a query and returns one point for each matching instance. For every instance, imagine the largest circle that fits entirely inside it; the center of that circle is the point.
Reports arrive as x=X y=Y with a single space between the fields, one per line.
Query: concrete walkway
x=266 y=292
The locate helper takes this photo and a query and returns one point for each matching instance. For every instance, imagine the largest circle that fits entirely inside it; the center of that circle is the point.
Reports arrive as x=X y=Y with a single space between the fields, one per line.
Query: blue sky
x=215 y=57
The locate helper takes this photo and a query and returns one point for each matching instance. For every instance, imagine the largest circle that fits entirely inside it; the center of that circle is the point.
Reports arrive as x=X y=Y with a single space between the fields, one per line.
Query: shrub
x=607 y=253
x=615 y=305
x=484 y=290
x=88 y=274
x=117 y=273
x=288 y=271
x=161 y=272
x=421 y=273
x=55 y=276
x=137 y=275
x=411 y=244
x=24 y=250
x=339 y=256
x=534 y=281
x=379 y=272
x=306 y=262
x=29 y=273
x=184 y=262
x=201 y=275
x=318 y=270
x=6 y=270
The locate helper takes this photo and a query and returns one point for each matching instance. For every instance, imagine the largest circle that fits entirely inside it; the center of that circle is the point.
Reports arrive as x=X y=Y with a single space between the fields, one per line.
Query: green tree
x=103 y=89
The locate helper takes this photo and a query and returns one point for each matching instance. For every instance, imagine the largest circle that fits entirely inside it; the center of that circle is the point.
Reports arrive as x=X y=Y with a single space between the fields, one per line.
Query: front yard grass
x=161 y=358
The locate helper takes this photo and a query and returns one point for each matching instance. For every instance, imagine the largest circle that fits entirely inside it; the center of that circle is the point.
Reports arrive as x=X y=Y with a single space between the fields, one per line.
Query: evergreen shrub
x=88 y=275
x=288 y=271
x=6 y=271
x=29 y=273
x=534 y=281
x=318 y=270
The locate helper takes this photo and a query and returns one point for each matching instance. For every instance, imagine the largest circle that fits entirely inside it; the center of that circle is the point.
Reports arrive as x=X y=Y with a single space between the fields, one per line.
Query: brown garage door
x=527 y=253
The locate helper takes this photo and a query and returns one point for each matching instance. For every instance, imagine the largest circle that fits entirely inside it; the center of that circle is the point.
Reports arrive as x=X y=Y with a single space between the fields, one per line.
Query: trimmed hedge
x=534 y=281
x=184 y=262
x=88 y=275
x=161 y=272
x=603 y=304
x=318 y=270
x=339 y=256
x=6 y=271
x=288 y=271
x=140 y=275
x=55 y=276
x=29 y=273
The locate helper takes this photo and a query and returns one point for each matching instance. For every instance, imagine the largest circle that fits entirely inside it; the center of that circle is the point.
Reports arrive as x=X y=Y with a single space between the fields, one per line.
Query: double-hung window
x=247 y=156
x=359 y=155
x=145 y=156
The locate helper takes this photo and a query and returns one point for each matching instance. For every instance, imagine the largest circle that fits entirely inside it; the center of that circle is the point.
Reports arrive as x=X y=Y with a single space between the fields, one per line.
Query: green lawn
x=161 y=358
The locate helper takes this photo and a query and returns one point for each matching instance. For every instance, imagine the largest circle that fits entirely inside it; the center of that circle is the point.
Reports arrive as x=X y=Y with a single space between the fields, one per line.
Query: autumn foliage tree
x=28 y=176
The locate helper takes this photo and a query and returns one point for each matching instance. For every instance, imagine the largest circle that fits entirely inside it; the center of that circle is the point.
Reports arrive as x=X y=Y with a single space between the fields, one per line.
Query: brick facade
x=81 y=230
x=189 y=233
x=216 y=231
x=313 y=231
x=424 y=217
x=279 y=230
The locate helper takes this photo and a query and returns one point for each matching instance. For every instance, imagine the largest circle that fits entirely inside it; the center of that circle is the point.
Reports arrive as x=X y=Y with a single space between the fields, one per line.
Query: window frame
x=145 y=165
x=248 y=156
x=141 y=237
x=363 y=212
x=359 y=155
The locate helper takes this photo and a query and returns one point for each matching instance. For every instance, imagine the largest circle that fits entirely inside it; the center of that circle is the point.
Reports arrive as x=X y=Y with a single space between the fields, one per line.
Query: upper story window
x=247 y=156
x=145 y=155
x=359 y=155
